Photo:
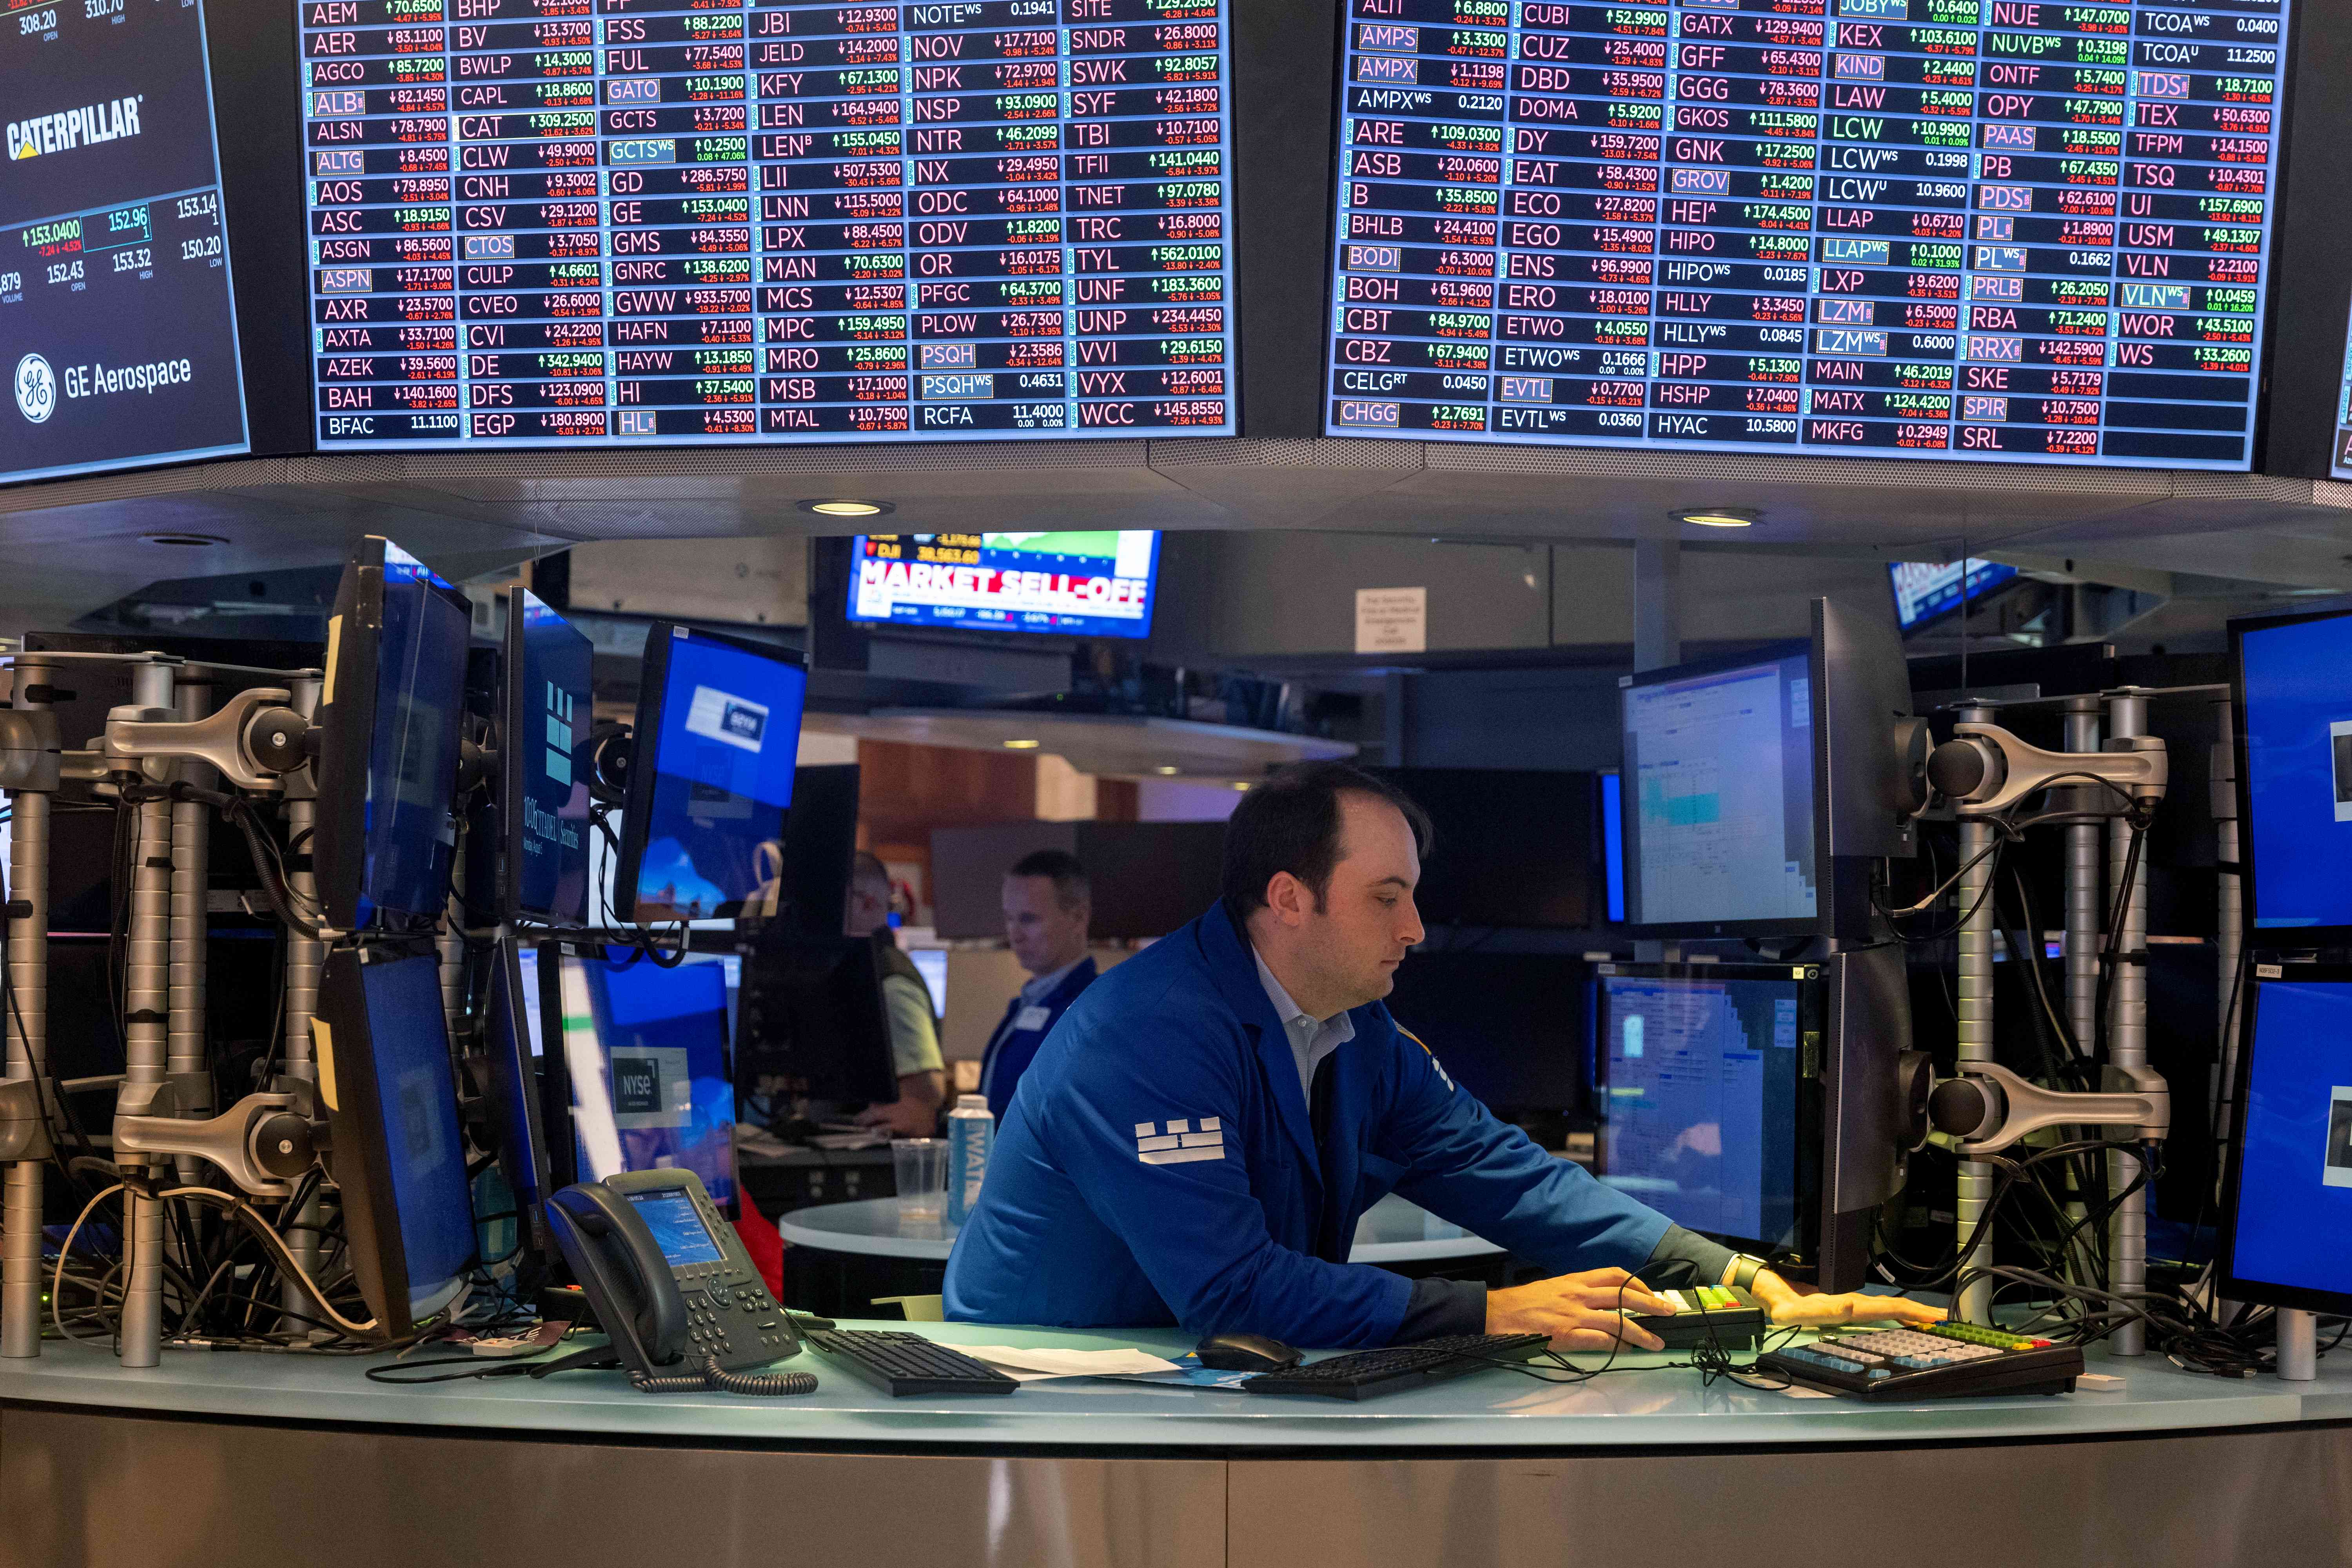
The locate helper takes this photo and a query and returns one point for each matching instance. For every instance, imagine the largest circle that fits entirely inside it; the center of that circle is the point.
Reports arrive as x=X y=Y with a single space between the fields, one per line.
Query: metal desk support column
x=191 y=857
x=2127 y=1040
x=28 y=1030
x=147 y=994
x=1975 y=1028
x=304 y=958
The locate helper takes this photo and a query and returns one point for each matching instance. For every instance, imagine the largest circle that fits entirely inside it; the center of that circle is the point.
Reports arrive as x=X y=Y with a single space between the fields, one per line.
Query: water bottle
x=971 y=1132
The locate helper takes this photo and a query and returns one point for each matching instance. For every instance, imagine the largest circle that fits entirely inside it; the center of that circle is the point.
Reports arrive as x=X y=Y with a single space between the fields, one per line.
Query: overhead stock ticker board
x=118 y=327
x=1970 y=229
x=563 y=222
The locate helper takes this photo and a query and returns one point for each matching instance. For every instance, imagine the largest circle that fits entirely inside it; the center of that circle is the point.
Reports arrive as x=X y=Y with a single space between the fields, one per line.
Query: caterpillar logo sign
x=107 y=121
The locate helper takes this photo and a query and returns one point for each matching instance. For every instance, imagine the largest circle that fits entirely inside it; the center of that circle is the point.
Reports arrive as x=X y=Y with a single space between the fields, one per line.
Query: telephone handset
x=671 y=1284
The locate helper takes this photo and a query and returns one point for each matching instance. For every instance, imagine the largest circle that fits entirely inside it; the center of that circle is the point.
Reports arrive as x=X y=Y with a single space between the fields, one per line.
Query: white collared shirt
x=1311 y=1039
x=1035 y=989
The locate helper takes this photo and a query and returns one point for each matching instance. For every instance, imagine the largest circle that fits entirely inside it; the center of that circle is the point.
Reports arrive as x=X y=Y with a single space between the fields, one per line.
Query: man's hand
x=1579 y=1311
x=1794 y=1306
x=902 y=1118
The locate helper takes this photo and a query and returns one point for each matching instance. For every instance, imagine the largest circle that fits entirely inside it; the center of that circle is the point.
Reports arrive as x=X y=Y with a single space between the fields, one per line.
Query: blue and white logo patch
x=1180 y=1144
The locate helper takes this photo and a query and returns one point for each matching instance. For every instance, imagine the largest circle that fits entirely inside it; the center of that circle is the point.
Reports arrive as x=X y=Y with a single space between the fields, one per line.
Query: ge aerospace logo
x=36 y=388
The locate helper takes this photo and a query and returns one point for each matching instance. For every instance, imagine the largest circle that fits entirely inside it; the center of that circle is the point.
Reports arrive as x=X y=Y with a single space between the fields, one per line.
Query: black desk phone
x=669 y=1281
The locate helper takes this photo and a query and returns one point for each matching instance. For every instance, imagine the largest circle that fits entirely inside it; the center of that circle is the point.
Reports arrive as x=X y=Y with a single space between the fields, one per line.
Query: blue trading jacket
x=1158 y=1166
x=1011 y=1049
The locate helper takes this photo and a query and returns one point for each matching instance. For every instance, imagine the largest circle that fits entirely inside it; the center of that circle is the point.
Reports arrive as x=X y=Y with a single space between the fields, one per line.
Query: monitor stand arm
x=1987 y=1108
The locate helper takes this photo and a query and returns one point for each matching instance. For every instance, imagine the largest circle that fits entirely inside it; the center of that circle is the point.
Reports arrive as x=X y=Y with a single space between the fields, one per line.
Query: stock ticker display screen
x=117 y=329
x=554 y=222
x=1974 y=229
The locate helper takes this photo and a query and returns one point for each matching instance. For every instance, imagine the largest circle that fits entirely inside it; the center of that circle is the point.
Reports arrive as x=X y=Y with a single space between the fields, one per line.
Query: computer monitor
x=710 y=777
x=1721 y=822
x=399 y=1157
x=1928 y=591
x=820 y=849
x=2295 y=777
x=2287 y=1213
x=542 y=785
x=509 y=1038
x=646 y=1070
x=391 y=714
x=812 y=1017
x=931 y=963
x=1502 y=1022
x=1757 y=1103
x=1613 y=844
x=1759 y=788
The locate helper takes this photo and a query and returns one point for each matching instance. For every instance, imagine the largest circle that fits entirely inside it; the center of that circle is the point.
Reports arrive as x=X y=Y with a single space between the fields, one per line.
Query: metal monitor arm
x=265 y=1143
x=252 y=739
x=1984 y=769
x=1987 y=1108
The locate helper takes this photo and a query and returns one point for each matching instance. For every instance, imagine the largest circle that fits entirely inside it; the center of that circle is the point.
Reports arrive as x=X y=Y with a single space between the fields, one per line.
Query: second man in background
x=1047 y=906
x=914 y=1027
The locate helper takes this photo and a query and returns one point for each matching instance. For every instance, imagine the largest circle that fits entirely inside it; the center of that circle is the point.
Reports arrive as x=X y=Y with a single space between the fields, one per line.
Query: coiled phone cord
x=713 y=1376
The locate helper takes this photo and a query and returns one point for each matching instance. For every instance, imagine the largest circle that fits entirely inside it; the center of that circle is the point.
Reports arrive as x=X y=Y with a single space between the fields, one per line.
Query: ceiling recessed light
x=1021 y=745
x=847 y=508
x=184 y=541
x=1720 y=516
x=1242 y=784
x=1167 y=773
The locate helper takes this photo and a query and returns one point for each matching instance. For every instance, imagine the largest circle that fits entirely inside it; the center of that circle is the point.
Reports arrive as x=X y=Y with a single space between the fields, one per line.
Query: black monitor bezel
x=1774 y=652
x=361 y=1162
x=2228 y=1282
x=1810 y=1192
x=754 y=1002
x=2259 y=938
x=516 y=1084
x=514 y=705
x=645 y=751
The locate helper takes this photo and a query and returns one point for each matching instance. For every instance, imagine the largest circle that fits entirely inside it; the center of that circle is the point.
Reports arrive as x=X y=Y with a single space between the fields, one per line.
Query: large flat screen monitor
x=645 y=1057
x=718 y=732
x=399 y=1156
x=2287 y=1207
x=510 y=1041
x=388 y=762
x=1928 y=591
x=1513 y=847
x=542 y=781
x=117 y=332
x=2295 y=777
x=1939 y=229
x=773 y=223
x=1719 y=797
x=2339 y=452
x=1699 y=1082
x=1078 y=584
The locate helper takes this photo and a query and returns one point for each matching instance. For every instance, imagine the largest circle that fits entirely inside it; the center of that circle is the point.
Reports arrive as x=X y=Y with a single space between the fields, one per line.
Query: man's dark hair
x=1061 y=868
x=1290 y=823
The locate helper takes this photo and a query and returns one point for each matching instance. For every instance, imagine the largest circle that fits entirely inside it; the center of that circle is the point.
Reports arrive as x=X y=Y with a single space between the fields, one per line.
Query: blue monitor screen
x=727 y=734
x=513 y=1045
x=1720 y=827
x=1078 y=584
x=676 y=1229
x=1612 y=843
x=651 y=1088
x=1698 y=1080
x=413 y=755
x=2293 y=1224
x=1924 y=590
x=551 y=717
x=2298 y=729
x=419 y=1107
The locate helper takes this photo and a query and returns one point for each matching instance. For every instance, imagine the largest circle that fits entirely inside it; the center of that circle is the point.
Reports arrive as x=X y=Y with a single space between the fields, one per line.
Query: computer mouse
x=1245 y=1352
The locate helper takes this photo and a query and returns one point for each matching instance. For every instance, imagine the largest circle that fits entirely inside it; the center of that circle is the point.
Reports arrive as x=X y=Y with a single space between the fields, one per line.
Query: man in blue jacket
x=1047 y=906
x=1198 y=1138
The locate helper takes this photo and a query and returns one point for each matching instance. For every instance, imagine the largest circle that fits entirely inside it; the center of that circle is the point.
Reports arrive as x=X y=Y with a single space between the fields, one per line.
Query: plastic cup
x=922 y=1169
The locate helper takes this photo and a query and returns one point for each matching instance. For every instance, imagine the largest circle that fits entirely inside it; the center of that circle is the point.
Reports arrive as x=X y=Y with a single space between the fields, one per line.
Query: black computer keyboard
x=1366 y=1374
x=907 y=1363
x=1943 y=1361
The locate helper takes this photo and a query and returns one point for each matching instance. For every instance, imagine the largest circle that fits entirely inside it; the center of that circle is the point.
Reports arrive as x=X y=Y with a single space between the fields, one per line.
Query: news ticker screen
x=551 y=222
x=118 y=330
x=1975 y=229
x=1078 y=584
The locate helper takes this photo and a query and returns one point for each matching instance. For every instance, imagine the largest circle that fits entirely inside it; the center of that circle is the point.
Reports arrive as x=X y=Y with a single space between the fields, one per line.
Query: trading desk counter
x=240 y=1459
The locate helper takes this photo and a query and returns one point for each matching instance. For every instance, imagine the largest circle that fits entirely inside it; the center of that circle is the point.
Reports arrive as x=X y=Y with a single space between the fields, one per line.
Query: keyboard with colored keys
x=1943 y=1361
x=1720 y=1315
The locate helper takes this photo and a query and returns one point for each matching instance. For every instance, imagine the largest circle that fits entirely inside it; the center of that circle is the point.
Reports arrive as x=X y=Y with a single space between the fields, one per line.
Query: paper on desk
x=1028 y=1365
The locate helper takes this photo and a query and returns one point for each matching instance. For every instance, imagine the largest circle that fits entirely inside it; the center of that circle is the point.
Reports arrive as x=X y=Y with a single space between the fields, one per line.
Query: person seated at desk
x=914 y=1027
x=1198 y=1138
x=1047 y=905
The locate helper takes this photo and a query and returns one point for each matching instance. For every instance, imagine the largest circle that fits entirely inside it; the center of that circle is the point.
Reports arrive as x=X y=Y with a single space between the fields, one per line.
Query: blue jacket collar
x=1234 y=969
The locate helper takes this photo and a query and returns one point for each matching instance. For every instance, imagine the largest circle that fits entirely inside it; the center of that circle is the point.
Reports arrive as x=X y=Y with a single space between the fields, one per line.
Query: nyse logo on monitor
x=559 y=734
x=732 y=720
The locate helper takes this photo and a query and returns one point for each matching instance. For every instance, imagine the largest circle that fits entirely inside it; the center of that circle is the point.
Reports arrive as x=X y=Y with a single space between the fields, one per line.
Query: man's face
x=1043 y=935
x=1368 y=923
